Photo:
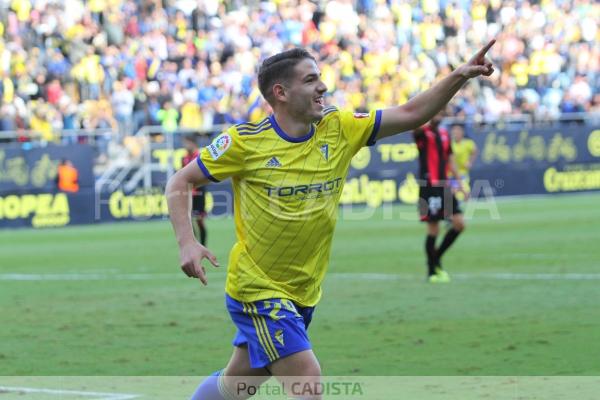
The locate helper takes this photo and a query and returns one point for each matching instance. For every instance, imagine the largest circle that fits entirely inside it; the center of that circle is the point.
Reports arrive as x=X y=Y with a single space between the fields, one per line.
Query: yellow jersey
x=286 y=192
x=463 y=151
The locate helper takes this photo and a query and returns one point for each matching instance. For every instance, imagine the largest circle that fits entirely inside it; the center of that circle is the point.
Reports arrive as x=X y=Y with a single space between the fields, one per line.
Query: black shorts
x=198 y=203
x=437 y=203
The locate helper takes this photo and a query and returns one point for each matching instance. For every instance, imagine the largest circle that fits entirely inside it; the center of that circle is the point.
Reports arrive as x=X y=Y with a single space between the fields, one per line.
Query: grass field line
x=58 y=392
x=501 y=276
x=525 y=276
x=90 y=277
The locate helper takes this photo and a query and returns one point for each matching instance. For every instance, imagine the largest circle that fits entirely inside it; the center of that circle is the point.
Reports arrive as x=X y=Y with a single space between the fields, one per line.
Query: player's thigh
x=239 y=377
x=300 y=374
x=433 y=228
x=239 y=364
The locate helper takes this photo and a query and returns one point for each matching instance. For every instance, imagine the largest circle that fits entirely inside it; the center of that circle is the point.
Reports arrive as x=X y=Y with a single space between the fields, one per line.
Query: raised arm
x=178 y=194
x=424 y=106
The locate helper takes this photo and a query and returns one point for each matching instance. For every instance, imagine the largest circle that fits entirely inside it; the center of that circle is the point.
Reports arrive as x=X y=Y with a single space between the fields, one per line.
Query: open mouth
x=320 y=101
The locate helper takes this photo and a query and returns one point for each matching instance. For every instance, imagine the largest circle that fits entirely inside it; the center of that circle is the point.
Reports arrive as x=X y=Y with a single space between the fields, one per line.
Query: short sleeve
x=360 y=129
x=223 y=158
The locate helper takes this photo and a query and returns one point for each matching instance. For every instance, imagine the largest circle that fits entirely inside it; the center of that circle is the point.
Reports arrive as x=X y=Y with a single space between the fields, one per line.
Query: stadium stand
x=110 y=67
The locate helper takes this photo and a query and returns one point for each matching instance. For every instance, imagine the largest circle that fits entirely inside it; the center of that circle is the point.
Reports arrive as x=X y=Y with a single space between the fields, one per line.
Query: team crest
x=325 y=151
x=219 y=146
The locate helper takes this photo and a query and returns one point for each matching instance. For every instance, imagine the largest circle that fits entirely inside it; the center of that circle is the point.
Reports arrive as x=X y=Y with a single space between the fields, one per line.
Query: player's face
x=457 y=133
x=306 y=92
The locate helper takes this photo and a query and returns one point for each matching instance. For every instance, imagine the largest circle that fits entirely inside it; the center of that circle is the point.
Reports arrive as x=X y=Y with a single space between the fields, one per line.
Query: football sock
x=430 y=251
x=450 y=237
x=202 y=229
x=211 y=389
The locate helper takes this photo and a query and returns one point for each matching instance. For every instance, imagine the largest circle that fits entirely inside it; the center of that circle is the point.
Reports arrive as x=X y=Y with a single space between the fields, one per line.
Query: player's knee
x=459 y=225
x=433 y=229
x=314 y=369
x=303 y=363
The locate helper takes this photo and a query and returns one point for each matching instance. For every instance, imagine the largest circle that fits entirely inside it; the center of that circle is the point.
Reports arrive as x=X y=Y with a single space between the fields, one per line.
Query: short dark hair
x=279 y=68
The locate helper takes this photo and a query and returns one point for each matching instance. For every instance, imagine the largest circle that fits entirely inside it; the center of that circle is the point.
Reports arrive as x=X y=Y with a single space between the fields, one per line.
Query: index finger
x=200 y=273
x=211 y=257
x=486 y=48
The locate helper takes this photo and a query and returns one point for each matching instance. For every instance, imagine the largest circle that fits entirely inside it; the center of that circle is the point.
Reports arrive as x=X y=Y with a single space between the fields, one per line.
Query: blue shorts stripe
x=265 y=330
x=262 y=321
x=246 y=309
x=259 y=333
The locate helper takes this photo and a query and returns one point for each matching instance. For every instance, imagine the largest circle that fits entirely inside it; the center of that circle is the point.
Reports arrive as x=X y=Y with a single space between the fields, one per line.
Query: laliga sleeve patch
x=220 y=145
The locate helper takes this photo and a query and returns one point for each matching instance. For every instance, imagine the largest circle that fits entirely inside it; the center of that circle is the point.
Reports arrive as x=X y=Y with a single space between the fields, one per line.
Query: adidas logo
x=273 y=162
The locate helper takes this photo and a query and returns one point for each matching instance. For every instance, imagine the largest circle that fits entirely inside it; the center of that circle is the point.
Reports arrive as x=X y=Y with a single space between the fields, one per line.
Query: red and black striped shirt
x=188 y=158
x=435 y=147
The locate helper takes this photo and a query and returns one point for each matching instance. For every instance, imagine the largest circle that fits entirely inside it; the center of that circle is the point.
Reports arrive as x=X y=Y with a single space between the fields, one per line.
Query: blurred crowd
x=123 y=64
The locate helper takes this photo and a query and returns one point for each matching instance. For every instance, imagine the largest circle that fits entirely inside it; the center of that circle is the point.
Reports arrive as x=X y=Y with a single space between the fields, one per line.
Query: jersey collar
x=285 y=136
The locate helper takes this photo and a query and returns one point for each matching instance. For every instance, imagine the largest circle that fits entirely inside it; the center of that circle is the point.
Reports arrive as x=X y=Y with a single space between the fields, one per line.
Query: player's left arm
x=454 y=171
x=453 y=168
x=424 y=106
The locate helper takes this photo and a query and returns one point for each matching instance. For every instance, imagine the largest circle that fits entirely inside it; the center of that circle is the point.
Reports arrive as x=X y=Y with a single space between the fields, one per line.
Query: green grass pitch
x=110 y=299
